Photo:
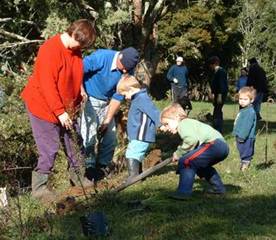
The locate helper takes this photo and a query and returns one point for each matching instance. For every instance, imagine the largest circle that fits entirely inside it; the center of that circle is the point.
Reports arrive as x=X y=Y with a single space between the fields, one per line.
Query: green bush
x=16 y=141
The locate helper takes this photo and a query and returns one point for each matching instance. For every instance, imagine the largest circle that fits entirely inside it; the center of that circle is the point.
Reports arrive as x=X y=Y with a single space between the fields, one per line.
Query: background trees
x=160 y=29
x=258 y=28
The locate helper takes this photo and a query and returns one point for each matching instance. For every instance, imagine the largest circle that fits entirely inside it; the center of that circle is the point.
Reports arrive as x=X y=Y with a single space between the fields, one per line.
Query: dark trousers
x=217 y=113
x=204 y=157
x=257 y=103
x=47 y=137
x=200 y=161
x=178 y=92
x=246 y=149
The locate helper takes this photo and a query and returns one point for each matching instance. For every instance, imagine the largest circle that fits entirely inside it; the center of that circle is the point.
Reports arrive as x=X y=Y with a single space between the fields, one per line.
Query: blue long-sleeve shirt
x=179 y=72
x=143 y=118
x=101 y=74
x=245 y=123
x=241 y=82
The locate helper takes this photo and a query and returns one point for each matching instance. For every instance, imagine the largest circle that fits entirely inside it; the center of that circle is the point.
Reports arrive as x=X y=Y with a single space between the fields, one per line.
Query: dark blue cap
x=130 y=58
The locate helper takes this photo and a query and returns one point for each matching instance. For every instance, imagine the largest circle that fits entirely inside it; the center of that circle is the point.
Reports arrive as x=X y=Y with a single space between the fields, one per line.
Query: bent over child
x=143 y=120
x=202 y=147
x=245 y=126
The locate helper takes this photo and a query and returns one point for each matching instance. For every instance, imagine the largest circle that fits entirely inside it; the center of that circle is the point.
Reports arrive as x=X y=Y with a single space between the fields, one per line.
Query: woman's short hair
x=174 y=111
x=83 y=31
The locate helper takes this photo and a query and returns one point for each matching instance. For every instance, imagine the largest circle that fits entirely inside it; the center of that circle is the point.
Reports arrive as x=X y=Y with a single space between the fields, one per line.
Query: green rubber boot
x=40 y=190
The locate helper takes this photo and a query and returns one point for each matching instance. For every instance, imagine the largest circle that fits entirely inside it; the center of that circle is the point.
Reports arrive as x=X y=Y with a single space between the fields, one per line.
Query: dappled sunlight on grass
x=144 y=211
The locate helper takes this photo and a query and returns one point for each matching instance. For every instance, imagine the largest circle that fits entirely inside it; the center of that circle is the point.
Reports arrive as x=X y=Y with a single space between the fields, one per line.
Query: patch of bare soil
x=153 y=158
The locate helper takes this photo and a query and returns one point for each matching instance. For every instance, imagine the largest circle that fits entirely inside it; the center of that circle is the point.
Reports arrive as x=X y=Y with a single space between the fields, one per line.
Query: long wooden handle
x=143 y=175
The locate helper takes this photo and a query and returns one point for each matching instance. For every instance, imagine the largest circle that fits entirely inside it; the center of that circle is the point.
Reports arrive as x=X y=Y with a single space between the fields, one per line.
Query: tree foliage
x=258 y=27
x=203 y=29
x=232 y=29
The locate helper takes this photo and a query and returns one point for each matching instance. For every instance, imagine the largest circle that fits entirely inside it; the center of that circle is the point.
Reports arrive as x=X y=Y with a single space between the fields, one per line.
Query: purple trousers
x=47 y=137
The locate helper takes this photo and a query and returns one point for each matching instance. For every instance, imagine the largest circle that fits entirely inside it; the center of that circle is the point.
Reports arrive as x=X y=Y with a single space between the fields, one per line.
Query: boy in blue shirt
x=143 y=120
x=245 y=126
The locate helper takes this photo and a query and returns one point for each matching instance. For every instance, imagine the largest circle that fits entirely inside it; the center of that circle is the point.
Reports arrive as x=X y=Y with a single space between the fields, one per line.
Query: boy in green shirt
x=202 y=147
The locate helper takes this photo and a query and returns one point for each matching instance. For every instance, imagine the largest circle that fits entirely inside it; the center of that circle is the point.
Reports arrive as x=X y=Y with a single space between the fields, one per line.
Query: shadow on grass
x=265 y=165
x=147 y=213
x=144 y=215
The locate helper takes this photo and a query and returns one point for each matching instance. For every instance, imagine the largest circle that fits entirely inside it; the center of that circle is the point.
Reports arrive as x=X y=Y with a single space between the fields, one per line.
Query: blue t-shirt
x=101 y=74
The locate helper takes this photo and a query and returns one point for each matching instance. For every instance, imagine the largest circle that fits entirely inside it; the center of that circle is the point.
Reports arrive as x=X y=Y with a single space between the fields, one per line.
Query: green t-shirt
x=194 y=133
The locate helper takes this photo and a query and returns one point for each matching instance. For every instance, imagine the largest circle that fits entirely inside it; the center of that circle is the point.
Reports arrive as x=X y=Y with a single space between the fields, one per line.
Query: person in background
x=245 y=126
x=178 y=78
x=257 y=79
x=219 y=88
x=201 y=148
x=242 y=81
x=142 y=123
x=52 y=95
x=103 y=70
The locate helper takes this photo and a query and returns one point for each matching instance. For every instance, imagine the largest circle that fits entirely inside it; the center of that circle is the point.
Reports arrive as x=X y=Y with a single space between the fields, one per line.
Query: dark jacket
x=219 y=84
x=257 y=78
x=180 y=72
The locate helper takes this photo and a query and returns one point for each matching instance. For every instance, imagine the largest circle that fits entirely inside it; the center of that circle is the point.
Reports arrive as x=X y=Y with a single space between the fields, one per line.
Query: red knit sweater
x=54 y=86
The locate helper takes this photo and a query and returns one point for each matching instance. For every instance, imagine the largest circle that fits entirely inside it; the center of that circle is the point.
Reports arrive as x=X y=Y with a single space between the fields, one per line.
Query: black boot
x=78 y=178
x=134 y=168
x=140 y=168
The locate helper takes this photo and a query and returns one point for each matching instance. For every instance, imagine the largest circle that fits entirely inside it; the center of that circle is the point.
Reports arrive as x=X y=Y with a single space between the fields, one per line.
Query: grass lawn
x=143 y=211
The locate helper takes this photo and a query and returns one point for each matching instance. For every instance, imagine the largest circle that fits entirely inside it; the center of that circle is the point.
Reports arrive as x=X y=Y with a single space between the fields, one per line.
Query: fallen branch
x=15 y=168
x=12 y=45
x=4 y=20
x=12 y=35
x=92 y=12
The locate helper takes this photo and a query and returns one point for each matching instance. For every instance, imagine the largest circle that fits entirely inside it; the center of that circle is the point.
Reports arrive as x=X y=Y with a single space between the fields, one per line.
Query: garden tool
x=143 y=175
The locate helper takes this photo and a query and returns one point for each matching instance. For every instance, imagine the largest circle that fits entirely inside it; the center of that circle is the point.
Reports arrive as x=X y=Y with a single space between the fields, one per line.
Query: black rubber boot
x=77 y=178
x=140 y=167
x=134 y=168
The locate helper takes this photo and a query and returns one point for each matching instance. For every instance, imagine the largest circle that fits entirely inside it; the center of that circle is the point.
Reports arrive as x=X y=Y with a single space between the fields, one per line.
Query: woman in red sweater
x=53 y=93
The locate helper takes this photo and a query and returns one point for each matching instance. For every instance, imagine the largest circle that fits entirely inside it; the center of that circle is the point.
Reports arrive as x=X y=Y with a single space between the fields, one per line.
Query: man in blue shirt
x=102 y=71
x=178 y=78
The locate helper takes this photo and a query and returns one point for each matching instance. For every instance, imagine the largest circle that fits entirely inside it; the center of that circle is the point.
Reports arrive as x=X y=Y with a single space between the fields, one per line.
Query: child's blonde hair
x=127 y=82
x=249 y=91
x=173 y=111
